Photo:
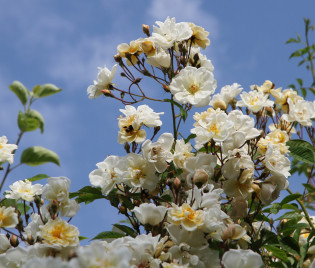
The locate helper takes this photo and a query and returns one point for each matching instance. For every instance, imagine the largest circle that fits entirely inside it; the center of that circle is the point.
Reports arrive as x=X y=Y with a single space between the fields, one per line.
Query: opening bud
x=200 y=177
x=14 y=241
x=177 y=182
x=146 y=29
x=30 y=240
x=166 y=88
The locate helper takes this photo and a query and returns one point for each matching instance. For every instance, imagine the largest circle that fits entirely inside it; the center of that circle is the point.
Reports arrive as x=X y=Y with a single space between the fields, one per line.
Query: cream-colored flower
x=271 y=187
x=239 y=171
x=276 y=162
x=240 y=258
x=105 y=176
x=150 y=213
x=199 y=36
x=160 y=59
x=182 y=153
x=281 y=98
x=226 y=96
x=214 y=124
x=131 y=51
x=170 y=32
x=203 y=164
x=193 y=86
x=102 y=255
x=6 y=150
x=59 y=233
x=185 y=216
x=57 y=188
x=159 y=152
x=104 y=81
x=136 y=171
x=196 y=59
x=4 y=243
x=147 y=46
x=301 y=111
x=24 y=190
x=265 y=88
x=129 y=126
x=277 y=138
x=254 y=100
x=8 y=217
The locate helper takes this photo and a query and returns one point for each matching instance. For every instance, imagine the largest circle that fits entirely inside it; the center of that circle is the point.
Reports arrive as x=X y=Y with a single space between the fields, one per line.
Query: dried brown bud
x=146 y=29
x=136 y=203
x=117 y=58
x=122 y=209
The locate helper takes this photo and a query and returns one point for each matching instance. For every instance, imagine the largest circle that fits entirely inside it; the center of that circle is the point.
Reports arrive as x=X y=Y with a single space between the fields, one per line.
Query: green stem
x=307 y=216
x=174 y=120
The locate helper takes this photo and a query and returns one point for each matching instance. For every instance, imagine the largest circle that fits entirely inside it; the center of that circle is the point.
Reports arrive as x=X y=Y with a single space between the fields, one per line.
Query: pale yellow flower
x=133 y=50
x=199 y=36
x=278 y=138
x=187 y=217
x=59 y=233
x=8 y=217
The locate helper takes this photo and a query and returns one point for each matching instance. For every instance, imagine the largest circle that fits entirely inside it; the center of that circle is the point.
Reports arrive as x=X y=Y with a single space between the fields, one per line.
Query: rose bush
x=206 y=200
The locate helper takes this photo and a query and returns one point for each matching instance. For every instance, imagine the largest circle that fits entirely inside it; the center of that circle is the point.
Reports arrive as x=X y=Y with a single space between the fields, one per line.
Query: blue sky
x=63 y=42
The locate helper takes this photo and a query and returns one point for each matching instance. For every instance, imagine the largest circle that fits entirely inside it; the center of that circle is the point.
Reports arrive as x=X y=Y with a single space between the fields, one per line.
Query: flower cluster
x=200 y=201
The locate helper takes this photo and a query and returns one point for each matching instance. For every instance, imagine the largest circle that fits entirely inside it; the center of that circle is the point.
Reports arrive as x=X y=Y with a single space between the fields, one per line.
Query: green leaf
x=290 y=198
x=108 y=234
x=291 y=243
x=302 y=151
x=304 y=92
x=291 y=40
x=37 y=155
x=91 y=190
x=291 y=215
x=309 y=187
x=303 y=252
x=277 y=252
x=126 y=229
x=167 y=198
x=274 y=208
x=26 y=123
x=30 y=121
x=300 y=81
x=38 y=177
x=45 y=90
x=191 y=136
x=289 y=228
x=292 y=206
x=20 y=91
x=88 y=197
x=126 y=202
x=20 y=208
x=36 y=115
x=82 y=238
x=295 y=54
x=113 y=198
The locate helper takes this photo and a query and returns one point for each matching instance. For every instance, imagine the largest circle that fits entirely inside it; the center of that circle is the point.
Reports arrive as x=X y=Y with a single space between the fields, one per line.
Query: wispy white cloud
x=184 y=10
x=76 y=64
